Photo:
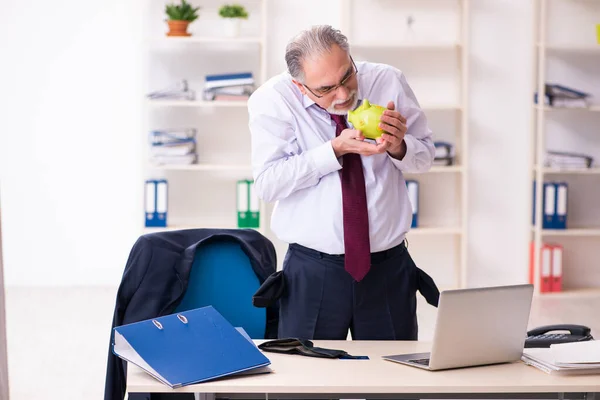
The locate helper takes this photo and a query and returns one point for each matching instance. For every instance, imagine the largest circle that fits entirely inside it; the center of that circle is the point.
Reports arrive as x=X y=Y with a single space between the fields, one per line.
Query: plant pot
x=178 y=28
x=232 y=27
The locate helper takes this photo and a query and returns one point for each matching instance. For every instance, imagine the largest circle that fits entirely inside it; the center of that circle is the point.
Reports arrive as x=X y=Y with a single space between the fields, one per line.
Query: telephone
x=544 y=336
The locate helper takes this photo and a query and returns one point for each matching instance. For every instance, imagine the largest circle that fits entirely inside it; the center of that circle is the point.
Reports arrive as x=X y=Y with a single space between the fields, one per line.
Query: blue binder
x=533 y=205
x=155 y=196
x=561 y=205
x=413 y=195
x=188 y=347
x=549 y=206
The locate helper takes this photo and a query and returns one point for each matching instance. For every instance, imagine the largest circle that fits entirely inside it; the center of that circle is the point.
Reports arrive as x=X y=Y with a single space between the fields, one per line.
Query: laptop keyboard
x=422 y=361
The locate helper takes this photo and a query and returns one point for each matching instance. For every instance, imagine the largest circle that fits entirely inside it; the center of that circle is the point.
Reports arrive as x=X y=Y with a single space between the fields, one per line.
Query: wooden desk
x=304 y=377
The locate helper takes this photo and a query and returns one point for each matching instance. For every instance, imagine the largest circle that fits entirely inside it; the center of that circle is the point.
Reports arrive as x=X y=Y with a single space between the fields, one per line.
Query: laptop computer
x=478 y=326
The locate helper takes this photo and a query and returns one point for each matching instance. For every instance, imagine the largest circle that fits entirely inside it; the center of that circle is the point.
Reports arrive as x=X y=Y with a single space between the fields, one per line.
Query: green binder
x=248 y=205
x=253 y=206
x=242 y=204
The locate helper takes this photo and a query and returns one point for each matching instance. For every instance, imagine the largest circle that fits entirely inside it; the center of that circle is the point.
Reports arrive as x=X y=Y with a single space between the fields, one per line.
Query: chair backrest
x=222 y=276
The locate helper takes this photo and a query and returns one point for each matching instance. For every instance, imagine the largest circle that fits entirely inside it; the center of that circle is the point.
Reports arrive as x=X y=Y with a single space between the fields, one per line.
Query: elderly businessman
x=342 y=203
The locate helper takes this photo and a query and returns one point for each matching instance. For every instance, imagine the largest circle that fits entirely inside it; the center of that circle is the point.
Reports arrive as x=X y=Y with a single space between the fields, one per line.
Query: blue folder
x=413 y=195
x=188 y=347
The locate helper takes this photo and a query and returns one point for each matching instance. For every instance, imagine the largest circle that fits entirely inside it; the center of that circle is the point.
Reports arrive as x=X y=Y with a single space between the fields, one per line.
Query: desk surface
x=294 y=374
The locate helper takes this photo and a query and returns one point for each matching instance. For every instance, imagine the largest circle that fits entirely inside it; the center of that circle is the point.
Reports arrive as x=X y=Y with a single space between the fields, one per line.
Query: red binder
x=545 y=267
x=557 y=264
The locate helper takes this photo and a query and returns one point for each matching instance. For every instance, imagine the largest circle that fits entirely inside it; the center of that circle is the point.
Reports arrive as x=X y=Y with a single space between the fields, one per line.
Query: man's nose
x=342 y=93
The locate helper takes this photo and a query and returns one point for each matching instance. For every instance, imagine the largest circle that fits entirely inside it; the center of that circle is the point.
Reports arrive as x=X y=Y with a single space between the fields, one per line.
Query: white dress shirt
x=295 y=166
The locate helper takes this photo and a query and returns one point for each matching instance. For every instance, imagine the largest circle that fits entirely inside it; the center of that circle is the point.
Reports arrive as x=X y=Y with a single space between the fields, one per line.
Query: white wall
x=500 y=145
x=69 y=154
x=72 y=122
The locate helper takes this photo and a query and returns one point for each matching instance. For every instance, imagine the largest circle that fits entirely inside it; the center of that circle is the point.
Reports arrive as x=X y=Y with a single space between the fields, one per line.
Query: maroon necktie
x=357 y=247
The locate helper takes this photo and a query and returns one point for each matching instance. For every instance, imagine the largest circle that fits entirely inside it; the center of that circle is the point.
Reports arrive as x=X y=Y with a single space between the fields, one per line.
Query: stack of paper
x=566 y=358
x=444 y=153
x=567 y=160
x=228 y=87
x=563 y=96
x=175 y=146
x=179 y=91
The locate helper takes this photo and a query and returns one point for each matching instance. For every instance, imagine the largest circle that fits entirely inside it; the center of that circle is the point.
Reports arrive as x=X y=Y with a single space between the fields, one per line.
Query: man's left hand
x=394 y=127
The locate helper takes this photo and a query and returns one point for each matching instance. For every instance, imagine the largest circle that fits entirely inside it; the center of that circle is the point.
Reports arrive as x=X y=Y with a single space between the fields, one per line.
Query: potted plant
x=233 y=14
x=180 y=16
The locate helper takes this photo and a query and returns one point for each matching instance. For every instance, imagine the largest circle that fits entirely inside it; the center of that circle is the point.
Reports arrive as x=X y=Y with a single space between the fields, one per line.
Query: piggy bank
x=366 y=119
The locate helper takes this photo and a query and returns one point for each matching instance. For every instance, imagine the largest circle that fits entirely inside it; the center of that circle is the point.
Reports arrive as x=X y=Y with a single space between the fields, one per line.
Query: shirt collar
x=306 y=101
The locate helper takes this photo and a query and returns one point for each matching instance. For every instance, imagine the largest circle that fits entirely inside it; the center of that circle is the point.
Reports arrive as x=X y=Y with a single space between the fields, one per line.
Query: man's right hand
x=352 y=141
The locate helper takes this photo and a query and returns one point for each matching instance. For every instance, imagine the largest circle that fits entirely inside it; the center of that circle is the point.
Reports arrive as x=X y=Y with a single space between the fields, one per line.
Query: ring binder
x=189 y=347
x=182 y=318
x=158 y=324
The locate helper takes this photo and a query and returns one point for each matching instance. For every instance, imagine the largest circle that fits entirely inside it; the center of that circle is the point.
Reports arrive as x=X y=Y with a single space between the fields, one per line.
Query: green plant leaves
x=233 y=11
x=182 y=12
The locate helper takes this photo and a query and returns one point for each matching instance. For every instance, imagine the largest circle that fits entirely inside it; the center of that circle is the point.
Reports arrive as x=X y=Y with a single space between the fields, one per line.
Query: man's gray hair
x=311 y=42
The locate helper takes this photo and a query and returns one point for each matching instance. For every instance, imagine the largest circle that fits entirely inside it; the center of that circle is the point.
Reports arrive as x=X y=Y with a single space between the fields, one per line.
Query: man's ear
x=300 y=86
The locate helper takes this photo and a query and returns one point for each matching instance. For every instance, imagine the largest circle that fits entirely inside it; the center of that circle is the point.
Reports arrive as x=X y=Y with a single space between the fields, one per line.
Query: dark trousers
x=322 y=301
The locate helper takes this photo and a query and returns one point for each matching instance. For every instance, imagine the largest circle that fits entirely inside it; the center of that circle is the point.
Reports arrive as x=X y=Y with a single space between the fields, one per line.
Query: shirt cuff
x=324 y=159
x=408 y=161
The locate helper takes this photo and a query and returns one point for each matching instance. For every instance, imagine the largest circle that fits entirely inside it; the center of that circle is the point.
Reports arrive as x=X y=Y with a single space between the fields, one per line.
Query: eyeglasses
x=321 y=92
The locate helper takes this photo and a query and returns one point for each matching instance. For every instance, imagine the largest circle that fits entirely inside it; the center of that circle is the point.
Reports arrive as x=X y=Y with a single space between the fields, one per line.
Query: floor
x=58 y=338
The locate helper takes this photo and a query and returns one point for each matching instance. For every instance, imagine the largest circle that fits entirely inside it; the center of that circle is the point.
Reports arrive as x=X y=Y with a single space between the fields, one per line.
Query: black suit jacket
x=156 y=278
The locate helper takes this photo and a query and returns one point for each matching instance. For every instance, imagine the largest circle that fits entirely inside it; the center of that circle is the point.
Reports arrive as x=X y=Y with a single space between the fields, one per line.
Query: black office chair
x=173 y=271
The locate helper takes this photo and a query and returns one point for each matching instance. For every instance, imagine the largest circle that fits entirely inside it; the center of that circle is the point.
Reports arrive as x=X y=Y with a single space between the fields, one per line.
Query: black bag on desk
x=304 y=347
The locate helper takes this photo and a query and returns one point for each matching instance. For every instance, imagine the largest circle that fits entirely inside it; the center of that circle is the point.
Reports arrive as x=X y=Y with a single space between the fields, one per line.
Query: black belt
x=376 y=257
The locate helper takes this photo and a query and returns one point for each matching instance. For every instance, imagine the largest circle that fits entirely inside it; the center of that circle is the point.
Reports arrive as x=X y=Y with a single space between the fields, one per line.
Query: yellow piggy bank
x=366 y=119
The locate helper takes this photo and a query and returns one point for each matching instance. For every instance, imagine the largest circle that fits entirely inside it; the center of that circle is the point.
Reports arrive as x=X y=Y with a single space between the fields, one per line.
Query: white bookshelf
x=415 y=46
x=436 y=50
x=197 y=103
x=223 y=140
x=569 y=56
x=258 y=40
x=243 y=104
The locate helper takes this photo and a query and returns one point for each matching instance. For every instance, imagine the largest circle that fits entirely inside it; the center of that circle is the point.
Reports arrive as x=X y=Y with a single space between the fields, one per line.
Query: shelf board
x=434 y=231
x=439 y=169
x=204 y=167
x=446 y=169
x=593 y=108
x=209 y=39
x=248 y=168
x=573 y=293
x=573 y=232
x=197 y=103
x=572 y=48
x=427 y=46
x=586 y=171
x=182 y=227
x=441 y=107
